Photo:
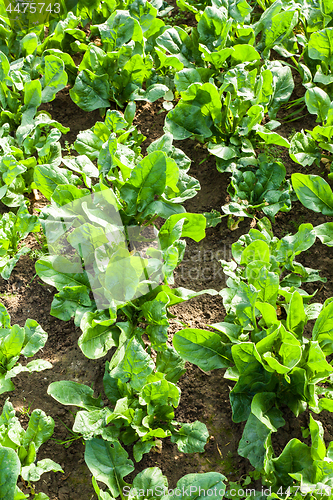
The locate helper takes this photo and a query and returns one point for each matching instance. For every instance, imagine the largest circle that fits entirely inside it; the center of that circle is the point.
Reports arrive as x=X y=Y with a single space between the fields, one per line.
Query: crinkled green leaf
x=191 y=438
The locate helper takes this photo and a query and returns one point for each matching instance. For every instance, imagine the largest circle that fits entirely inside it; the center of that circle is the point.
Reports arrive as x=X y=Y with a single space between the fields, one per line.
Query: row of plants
x=133 y=294
x=219 y=72
x=271 y=356
x=117 y=218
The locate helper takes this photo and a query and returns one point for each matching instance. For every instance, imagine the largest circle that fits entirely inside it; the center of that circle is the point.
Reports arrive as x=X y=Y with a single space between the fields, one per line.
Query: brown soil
x=179 y=17
x=205 y=397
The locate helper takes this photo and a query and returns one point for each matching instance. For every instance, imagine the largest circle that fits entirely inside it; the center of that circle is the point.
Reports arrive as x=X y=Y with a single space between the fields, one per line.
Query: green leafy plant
x=223 y=86
x=306 y=147
x=227 y=116
x=271 y=360
x=112 y=295
x=13 y=229
x=18 y=452
x=23 y=92
x=259 y=188
x=143 y=398
x=32 y=154
x=119 y=68
x=98 y=454
x=16 y=341
x=144 y=189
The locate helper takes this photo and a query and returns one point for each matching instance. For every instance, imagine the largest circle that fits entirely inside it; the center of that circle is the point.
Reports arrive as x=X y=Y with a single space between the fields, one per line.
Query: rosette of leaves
x=31 y=52
x=115 y=144
x=310 y=146
x=280 y=366
x=262 y=260
x=265 y=352
x=233 y=108
x=144 y=188
x=258 y=274
x=228 y=118
x=29 y=140
x=259 y=188
x=142 y=396
x=306 y=471
x=18 y=452
x=109 y=464
x=121 y=69
x=16 y=341
x=225 y=40
x=30 y=157
x=14 y=228
x=128 y=285
x=23 y=90
x=313 y=16
x=317 y=52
